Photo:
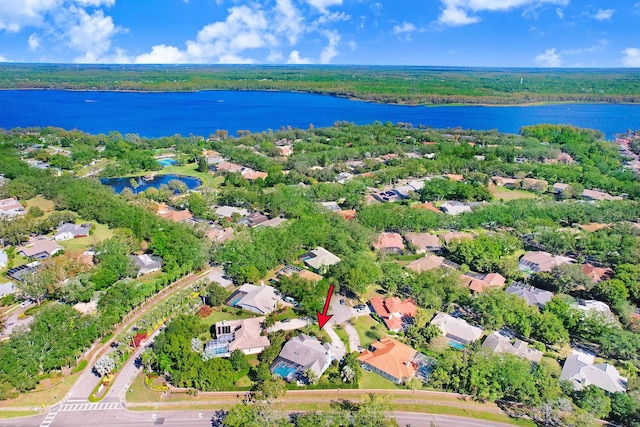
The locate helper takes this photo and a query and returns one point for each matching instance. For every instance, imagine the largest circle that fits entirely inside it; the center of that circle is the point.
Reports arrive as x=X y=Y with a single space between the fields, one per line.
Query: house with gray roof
x=228 y=211
x=304 y=352
x=258 y=299
x=4 y=259
x=532 y=295
x=500 y=343
x=457 y=330
x=146 y=264
x=72 y=231
x=581 y=372
x=320 y=258
x=7 y=289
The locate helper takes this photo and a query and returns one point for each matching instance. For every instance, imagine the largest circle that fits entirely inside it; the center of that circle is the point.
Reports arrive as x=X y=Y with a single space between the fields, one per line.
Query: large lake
x=119 y=184
x=201 y=113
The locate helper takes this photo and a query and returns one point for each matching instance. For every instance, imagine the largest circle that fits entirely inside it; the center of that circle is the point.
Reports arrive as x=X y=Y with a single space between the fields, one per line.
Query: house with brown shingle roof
x=11 y=207
x=480 y=282
x=455 y=235
x=592 y=227
x=598 y=195
x=229 y=167
x=393 y=311
x=174 y=215
x=389 y=243
x=40 y=249
x=426 y=263
x=390 y=359
x=597 y=274
x=537 y=261
x=424 y=242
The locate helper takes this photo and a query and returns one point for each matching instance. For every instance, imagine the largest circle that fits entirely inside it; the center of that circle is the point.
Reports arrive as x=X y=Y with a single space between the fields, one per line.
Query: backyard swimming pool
x=284 y=370
x=167 y=162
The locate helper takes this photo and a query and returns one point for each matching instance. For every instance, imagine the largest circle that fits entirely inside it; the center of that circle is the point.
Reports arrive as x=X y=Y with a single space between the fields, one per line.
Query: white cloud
x=598 y=47
x=631 y=57
x=322 y=5
x=162 y=54
x=288 y=20
x=464 y=12
x=549 y=58
x=406 y=27
x=3 y=59
x=90 y=34
x=560 y=13
x=603 y=14
x=34 y=42
x=16 y=14
x=330 y=51
x=295 y=58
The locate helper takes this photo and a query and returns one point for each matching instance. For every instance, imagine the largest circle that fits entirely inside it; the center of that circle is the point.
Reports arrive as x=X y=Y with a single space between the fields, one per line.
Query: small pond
x=119 y=184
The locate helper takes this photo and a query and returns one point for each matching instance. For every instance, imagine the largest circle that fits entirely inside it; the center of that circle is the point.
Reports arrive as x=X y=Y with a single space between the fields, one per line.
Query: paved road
x=113 y=416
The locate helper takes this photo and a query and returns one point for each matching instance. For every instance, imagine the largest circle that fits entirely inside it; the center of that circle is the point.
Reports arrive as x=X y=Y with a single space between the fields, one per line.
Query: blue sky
x=494 y=33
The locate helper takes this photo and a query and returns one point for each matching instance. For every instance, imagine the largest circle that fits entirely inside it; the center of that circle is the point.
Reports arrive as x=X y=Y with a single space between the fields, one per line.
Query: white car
x=26 y=303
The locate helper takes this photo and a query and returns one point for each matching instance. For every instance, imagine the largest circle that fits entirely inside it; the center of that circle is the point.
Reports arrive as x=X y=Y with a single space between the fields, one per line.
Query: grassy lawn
x=37 y=397
x=41 y=202
x=99 y=233
x=343 y=336
x=364 y=324
x=14 y=414
x=371 y=380
x=374 y=291
x=287 y=313
x=208 y=180
x=507 y=194
x=140 y=393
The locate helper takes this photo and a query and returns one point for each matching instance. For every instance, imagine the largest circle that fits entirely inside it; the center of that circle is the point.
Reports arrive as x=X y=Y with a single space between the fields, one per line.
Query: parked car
x=287 y=320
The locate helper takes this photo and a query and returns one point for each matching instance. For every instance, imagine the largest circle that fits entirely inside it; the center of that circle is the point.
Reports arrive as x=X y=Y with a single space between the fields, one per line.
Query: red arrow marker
x=323 y=318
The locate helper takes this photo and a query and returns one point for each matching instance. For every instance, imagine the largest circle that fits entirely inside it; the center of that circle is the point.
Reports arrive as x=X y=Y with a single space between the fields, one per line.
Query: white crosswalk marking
x=48 y=419
x=89 y=407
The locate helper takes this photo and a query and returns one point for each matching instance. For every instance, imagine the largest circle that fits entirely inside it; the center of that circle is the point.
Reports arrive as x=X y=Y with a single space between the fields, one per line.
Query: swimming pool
x=284 y=371
x=235 y=301
x=456 y=345
x=167 y=162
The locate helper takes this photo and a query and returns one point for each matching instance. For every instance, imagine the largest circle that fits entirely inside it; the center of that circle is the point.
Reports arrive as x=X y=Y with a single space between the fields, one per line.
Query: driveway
x=14 y=322
x=289 y=326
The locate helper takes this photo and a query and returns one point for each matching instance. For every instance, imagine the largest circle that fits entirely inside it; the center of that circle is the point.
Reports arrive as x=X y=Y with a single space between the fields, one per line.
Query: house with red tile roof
x=347 y=214
x=480 y=282
x=174 y=215
x=393 y=311
x=597 y=274
x=229 y=167
x=389 y=243
x=252 y=175
x=427 y=206
x=391 y=359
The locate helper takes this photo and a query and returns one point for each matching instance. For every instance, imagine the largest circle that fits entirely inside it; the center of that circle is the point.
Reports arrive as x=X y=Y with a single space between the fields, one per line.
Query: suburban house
x=174 y=215
x=559 y=188
x=19 y=271
x=454 y=207
x=332 y=206
x=450 y=236
x=285 y=150
x=505 y=182
x=228 y=211
x=499 y=343
x=343 y=177
x=426 y=205
x=319 y=259
x=273 y=222
x=537 y=261
x=11 y=208
x=597 y=274
x=594 y=306
x=533 y=184
x=244 y=335
x=347 y=214
x=424 y=242
x=580 y=370
x=216 y=275
x=532 y=296
x=258 y=299
x=393 y=311
x=304 y=352
x=4 y=259
x=40 y=249
x=253 y=220
x=458 y=331
x=146 y=264
x=389 y=243
x=228 y=167
x=478 y=282
x=598 y=195
x=7 y=289
x=219 y=234
x=426 y=263
x=72 y=231
x=390 y=359
x=592 y=227
x=251 y=175
x=290 y=270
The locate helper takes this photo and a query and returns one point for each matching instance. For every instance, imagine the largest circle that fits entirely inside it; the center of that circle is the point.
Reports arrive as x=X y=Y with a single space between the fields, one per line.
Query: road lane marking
x=100 y=406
